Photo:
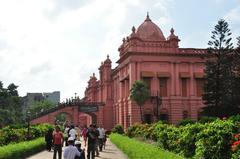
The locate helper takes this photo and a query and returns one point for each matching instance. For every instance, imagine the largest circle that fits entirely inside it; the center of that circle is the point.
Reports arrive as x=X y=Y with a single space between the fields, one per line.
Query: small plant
x=118 y=129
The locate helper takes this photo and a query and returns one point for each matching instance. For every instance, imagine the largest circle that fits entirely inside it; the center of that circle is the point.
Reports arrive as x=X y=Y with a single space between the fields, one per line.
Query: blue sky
x=48 y=45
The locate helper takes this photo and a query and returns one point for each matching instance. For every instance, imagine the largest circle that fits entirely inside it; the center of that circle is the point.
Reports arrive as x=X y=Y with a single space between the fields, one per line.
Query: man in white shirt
x=70 y=152
x=73 y=133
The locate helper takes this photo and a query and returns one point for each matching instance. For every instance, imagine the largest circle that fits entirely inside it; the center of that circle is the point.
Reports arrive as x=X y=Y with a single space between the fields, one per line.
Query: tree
x=219 y=89
x=238 y=42
x=139 y=93
x=40 y=106
x=12 y=89
x=61 y=118
x=10 y=106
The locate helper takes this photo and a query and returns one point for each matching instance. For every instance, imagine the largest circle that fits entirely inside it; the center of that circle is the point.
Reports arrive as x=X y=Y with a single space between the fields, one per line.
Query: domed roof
x=150 y=31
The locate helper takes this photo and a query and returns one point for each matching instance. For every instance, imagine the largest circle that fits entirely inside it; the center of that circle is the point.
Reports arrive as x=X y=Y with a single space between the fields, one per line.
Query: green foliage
x=213 y=142
x=210 y=139
x=206 y=119
x=139 y=150
x=236 y=154
x=142 y=130
x=188 y=138
x=162 y=134
x=168 y=137
x=39 y=106
x=10 y=105
x=139 y=93
x=22 y=149
x=61 y=118
x=118 y=129
x=185 y=122
x=9 y=134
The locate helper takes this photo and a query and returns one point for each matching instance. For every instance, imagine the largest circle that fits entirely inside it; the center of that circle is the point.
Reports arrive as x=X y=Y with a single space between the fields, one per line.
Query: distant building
x=53 y=97
x=30 y=98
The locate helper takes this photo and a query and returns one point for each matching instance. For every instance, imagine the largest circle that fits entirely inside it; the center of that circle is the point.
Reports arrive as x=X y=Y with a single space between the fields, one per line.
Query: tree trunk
x=141 y=114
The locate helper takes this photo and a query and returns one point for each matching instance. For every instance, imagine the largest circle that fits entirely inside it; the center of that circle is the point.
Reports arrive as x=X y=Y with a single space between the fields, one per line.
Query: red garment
x=57 y=138
x=84 y=132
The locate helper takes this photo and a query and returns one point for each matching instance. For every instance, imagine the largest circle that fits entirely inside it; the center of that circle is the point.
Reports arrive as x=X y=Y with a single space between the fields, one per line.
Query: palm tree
x=140 y=94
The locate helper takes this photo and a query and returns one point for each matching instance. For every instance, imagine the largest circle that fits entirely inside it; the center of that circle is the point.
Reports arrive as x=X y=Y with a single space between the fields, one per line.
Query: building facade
x=174 y=75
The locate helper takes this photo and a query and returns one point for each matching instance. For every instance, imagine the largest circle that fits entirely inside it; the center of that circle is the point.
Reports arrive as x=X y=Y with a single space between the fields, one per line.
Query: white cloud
x=233 y=18
x=48 y=45
x=233 y=15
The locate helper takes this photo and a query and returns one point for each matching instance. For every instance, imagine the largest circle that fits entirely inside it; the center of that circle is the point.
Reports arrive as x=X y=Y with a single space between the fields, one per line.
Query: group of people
x=94 y=137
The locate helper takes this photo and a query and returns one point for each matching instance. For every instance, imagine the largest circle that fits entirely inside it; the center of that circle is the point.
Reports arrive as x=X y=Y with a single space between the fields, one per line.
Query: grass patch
x=22 y=150
x=135 y=149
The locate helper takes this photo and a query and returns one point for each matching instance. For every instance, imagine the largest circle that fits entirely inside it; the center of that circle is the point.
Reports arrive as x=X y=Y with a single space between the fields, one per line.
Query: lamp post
x=28 y=125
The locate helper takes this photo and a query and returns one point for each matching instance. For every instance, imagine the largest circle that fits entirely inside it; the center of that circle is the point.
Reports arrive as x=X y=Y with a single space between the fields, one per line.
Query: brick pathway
x=111 y=152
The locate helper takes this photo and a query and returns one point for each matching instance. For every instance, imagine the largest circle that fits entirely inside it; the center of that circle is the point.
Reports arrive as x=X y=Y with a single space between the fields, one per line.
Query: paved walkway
x=111 y=152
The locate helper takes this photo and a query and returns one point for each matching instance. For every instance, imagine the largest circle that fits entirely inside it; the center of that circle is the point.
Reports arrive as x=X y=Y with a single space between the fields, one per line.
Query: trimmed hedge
x=23 y=149
x=135 y=149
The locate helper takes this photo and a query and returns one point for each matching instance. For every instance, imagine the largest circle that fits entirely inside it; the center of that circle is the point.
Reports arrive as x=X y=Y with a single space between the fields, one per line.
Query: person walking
x=72 y=132
x=66 y=135
x=97 y=140
x=92 y=136
x=78 y=132
x=58 y=142
x=48 y=139
x=70 y=152
x=101 y=137
x=84 y=134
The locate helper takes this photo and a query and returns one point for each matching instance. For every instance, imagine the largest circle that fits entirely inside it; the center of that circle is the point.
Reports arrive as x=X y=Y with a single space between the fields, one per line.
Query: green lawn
x=135 y=149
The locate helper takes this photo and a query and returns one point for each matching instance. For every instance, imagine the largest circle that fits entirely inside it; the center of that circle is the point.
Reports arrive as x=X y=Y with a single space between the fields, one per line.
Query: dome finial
x=107 y=56
x=133 y=29
x=172 y=31
x=148 y=18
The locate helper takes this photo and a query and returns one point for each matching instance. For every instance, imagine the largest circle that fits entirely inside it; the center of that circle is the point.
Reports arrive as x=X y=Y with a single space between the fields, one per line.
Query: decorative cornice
x=182 y=53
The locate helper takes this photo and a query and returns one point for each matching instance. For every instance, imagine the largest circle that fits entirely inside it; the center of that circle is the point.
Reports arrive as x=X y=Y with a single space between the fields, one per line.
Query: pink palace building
x=173 y=74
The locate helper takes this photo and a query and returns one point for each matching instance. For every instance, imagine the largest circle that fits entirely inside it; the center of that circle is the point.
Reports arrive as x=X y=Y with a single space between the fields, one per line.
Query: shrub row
x=140 y=150
x=10 y=134
x=210 y=140
x=22 y=149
